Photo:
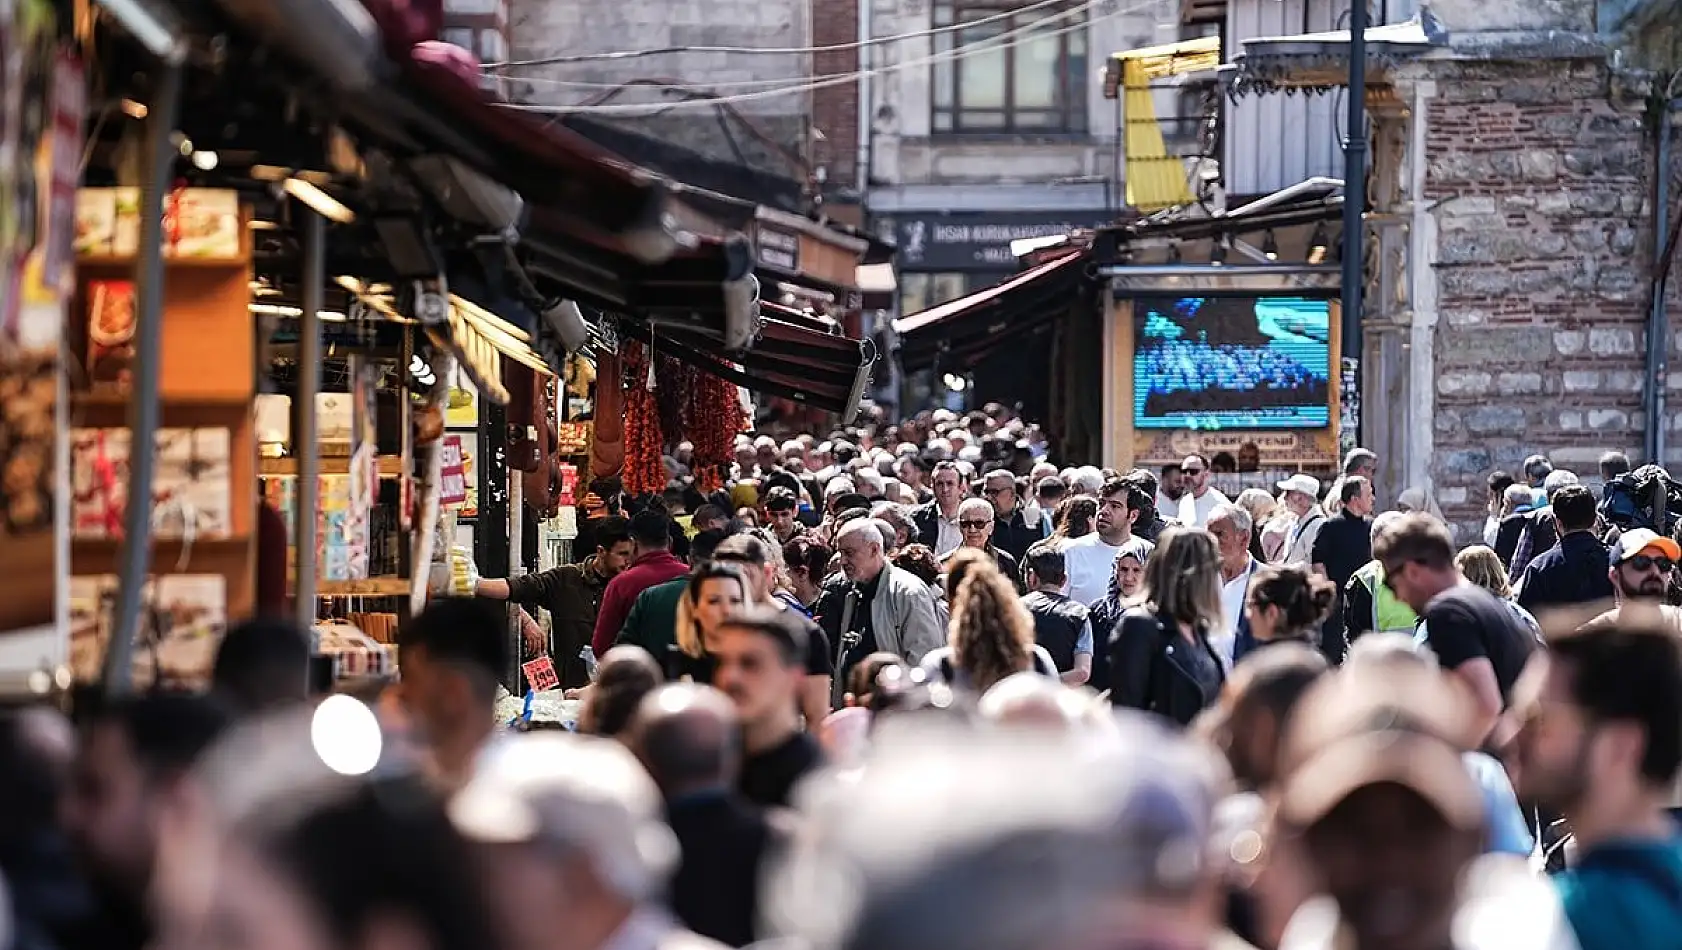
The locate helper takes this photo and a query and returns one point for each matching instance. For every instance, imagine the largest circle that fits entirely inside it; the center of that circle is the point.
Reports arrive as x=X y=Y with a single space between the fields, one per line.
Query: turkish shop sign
x=970 y=241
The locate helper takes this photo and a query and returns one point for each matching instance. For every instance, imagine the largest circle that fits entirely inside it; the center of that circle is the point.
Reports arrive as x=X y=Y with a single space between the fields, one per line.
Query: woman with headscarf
x=1126 y=582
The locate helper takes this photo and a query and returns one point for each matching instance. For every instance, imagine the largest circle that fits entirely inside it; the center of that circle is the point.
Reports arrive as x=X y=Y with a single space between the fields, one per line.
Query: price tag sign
x=540 y=674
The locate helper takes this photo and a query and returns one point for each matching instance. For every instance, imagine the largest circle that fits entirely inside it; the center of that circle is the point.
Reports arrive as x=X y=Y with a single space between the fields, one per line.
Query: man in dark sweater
x=760 y=657
x=1576 y=569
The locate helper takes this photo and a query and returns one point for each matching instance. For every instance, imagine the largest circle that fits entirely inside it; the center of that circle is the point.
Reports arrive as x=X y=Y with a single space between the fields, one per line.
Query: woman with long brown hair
x=1160 y=657
x=991 y=636
x=1076 y=517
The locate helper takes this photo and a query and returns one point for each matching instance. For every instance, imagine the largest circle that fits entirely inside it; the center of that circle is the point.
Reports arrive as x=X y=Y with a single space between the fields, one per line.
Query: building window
x=1029 y=77
x=919 y=292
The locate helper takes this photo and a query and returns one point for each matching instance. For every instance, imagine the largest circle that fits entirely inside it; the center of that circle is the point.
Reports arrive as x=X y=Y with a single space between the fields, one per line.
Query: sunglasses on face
x=973 y=525
x=994 y=492
x=1193 y=472
x=1643 y=562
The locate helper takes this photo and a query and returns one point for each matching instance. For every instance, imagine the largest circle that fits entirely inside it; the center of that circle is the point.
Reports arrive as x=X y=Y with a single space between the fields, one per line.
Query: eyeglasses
x=973 y=525
x=1642 y=562
x=996 y=492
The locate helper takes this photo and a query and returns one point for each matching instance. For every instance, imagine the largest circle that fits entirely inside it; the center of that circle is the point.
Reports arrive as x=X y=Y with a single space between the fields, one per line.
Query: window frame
x=1068 y=117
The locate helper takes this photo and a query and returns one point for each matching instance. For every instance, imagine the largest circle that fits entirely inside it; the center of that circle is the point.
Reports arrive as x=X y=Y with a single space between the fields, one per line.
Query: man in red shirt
x=654 y=564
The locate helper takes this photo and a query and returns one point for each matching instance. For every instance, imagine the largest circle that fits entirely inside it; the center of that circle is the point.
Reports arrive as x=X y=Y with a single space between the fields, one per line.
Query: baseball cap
x=1631 y=543
x=1307 y=484
x=1385 y=724
x=575 y=793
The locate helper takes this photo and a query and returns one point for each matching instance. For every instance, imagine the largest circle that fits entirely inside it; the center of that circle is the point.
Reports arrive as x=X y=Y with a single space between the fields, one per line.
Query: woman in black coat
x=1160 y=657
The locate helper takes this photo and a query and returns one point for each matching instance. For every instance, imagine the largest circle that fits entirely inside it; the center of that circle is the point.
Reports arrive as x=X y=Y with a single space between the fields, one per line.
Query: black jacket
x=1058 y=624
x=1013 y=534
x=1147 y=670
x=926 y=519
x=724 y=840
x=1105 y=616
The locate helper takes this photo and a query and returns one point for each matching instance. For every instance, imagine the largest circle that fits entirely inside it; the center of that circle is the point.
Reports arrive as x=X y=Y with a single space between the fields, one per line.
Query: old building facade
x=1516 y=195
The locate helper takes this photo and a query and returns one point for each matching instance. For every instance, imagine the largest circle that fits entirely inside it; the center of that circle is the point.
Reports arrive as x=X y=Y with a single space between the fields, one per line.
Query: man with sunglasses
x=1642 y=564
x=1200 y=498
x=1477 y=637
x=977 y=523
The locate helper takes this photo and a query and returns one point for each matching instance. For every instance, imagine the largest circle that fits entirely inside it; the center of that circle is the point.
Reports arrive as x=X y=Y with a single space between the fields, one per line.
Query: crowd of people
x=917 y=686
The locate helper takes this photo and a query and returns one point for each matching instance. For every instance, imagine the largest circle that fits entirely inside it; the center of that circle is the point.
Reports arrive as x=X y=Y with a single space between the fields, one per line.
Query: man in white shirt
x=937 y=521
x=1302 y=497
x=1230 y=525
x=1200 y=498
x=1091 y=559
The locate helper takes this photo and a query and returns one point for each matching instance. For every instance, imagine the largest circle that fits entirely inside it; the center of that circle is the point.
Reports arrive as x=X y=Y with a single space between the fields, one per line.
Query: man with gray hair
x=575 y=851
x=1231 y=525
x=1016 y=839
x=880 y=607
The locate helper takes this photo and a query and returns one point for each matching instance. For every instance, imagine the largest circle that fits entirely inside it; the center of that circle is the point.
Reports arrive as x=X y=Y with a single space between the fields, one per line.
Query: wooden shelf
x=390 y=466
x=369 y=587
x=112 y=262
x=90 y=556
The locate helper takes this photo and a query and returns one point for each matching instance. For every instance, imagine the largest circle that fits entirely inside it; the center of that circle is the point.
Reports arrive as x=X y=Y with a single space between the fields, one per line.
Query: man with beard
x=1200 y=497
x=572 y=593
x=1090 y=560
x=136 y=760
x=1642 y=564
x=1602 y=742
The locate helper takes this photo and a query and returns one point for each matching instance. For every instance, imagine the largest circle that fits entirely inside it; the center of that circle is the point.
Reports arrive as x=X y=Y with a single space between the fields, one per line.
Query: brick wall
x=835 y=109
x=1544 y=248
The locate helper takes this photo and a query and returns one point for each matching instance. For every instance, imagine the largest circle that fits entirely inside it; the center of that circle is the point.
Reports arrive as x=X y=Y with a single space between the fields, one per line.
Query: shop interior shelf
x=92 y=556
x=368 y=587
x=390 y=466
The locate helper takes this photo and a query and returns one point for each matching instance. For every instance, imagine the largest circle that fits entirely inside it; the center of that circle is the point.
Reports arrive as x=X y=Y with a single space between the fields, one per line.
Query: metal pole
x=1658 y=322
x=143 y=411
x=1355 y=190
x=305 y=447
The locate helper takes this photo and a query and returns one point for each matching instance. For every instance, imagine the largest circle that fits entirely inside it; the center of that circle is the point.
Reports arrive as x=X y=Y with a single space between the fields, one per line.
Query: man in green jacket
x=652 y=622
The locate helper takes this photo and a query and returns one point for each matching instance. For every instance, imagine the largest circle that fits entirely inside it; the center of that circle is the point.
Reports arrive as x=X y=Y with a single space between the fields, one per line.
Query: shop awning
x=970 y=327
x=812 y=367
x=1156 y=179
x=1320 y=61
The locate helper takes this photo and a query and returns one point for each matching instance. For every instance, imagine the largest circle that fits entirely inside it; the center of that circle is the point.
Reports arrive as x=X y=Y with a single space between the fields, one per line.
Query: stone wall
x=1541 y=189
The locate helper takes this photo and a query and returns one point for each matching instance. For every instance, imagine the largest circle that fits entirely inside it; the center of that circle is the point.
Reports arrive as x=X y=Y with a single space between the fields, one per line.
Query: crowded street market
x=431 y=522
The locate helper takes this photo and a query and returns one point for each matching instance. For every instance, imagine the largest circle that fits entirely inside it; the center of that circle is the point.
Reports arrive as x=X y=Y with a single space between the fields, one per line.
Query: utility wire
x=839 y=79
x=770 y=50
x=793 y=81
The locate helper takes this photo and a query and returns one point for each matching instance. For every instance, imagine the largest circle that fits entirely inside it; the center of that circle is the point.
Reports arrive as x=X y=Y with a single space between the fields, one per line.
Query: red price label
x=540 y=674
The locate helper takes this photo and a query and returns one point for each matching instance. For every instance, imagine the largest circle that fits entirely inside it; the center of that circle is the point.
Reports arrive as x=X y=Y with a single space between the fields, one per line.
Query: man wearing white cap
x=1302 y=498
x=575 y=850
x=1643 y=562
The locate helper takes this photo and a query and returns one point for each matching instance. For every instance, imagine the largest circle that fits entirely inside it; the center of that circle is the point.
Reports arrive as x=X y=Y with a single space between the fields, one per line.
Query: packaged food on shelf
x=111 y=323
x=191 y=486
x=182 y=621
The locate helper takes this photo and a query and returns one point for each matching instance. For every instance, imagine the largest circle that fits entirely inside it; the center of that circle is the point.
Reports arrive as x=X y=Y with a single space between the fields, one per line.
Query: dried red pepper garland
x=645 y=470
x=713 y=421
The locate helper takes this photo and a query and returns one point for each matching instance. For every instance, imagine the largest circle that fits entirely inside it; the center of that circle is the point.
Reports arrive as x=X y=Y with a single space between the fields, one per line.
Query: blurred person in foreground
x=760 y=566
x=134 y=766
x=572 y=847
x=314 y=843
x=262 y=664
x=846 y=732
x=48 y=901
x=758 y=656
x=1013 y=840
x=452 y=655
x=1375 y=796
x=627 y=674
x=689 y=740
x=1602 y=742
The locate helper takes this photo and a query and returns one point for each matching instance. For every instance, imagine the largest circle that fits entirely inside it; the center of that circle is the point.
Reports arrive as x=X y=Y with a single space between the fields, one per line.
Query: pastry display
x=28 y=399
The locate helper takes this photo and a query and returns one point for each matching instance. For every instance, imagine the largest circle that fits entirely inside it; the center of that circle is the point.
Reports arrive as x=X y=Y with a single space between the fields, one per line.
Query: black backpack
x=1645 y=498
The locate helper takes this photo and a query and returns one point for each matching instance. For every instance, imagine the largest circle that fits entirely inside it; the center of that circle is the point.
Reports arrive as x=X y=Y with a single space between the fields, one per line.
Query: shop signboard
x=979 y=240
x=778 y=249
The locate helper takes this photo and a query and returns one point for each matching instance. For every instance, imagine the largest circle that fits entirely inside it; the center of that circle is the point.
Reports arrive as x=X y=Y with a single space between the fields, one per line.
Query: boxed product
x=202 y=222
x=98 y=482
x=96 y=222
x=111 y=323
x=341 y=541
x=191 y=483
x=183 y=617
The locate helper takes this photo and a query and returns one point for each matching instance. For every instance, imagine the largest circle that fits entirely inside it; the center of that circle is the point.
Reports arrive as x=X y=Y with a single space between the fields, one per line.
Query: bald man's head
x=687 y=738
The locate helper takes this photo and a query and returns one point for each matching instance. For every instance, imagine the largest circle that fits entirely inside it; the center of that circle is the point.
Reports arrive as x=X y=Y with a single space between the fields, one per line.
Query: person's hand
x=537 y=643
x=582 y=692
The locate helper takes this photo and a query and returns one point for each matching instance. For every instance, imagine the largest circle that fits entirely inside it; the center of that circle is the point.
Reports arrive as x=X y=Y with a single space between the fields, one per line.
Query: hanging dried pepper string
x=645 y=471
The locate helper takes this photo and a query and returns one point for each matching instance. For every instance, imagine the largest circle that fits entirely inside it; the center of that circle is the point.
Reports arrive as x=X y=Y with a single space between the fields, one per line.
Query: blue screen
x=1231 y=363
